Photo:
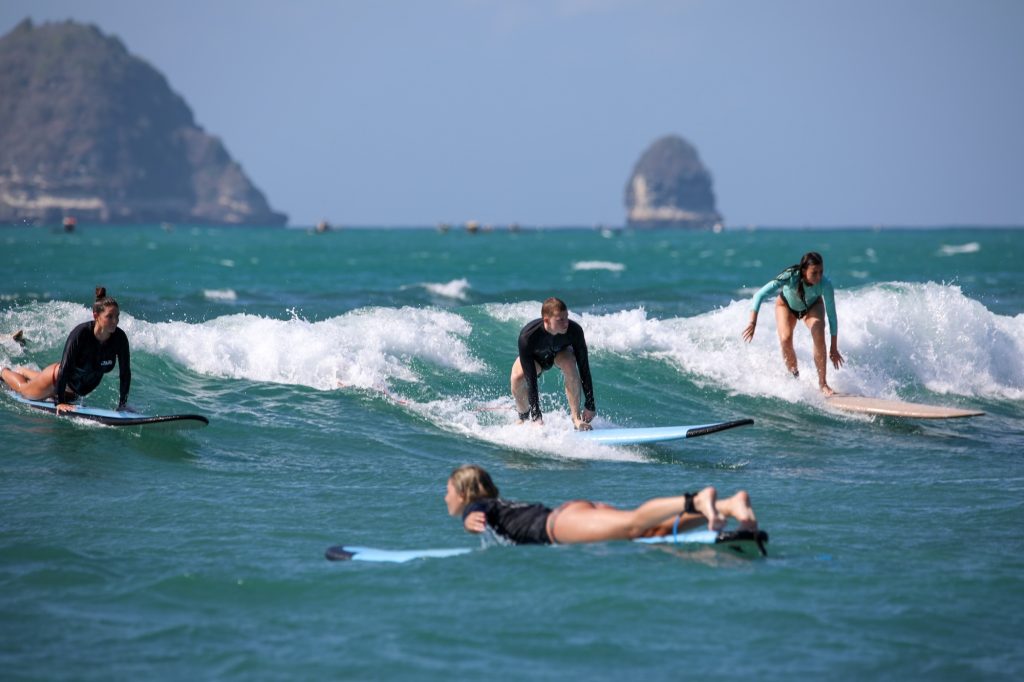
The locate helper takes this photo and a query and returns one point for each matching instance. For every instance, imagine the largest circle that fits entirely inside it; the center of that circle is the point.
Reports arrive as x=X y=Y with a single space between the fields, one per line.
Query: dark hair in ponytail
x=810 y=258
x=103 y=301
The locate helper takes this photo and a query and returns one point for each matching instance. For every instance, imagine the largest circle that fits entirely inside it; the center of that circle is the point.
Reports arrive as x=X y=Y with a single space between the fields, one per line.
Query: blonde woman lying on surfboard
x=472 y=495
x=804 y=293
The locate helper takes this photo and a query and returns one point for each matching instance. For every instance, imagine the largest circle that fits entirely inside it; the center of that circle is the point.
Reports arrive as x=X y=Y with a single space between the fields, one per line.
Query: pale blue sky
x=406 y=112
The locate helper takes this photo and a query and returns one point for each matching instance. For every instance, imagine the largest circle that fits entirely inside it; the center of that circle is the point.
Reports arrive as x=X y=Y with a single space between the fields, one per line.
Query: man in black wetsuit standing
x=553 y=340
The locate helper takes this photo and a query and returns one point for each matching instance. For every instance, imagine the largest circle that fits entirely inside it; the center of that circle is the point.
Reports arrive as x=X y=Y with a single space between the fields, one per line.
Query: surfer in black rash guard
x=472 y=495
x=553 y=339
x=91 y=350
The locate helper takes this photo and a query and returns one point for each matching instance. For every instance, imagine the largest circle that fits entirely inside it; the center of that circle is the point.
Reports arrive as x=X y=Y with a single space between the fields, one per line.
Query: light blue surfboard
x=393 y=556
x=114 y=417
x=657 y=434
x=739 y=542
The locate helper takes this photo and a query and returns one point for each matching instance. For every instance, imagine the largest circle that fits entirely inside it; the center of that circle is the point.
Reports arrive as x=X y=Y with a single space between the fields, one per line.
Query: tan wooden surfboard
x=897 y=408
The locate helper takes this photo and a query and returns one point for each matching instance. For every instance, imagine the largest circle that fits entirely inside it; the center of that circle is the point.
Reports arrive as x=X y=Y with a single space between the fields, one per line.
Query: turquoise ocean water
x=345 y=374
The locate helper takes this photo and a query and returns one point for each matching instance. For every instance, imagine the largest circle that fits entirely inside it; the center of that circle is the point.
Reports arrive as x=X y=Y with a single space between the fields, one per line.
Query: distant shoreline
x=527 y=228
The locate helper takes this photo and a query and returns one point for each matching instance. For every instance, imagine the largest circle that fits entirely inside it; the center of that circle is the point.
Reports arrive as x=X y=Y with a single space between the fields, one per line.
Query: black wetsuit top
x=86 y=360
x=537 y=345
x=521 y=523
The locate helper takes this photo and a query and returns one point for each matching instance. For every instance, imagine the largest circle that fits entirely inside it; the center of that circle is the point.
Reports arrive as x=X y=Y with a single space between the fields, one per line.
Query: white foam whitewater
x=456 y=289
x=496 y=423
x=365 y=348
x=957 y=249
x=598 y=265
x=225 y=295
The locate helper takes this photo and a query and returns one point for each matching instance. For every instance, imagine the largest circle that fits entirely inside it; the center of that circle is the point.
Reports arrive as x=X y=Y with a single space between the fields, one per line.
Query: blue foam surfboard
x=739 y=542
x=657 y=434
x=393 y=556
x=115 y=417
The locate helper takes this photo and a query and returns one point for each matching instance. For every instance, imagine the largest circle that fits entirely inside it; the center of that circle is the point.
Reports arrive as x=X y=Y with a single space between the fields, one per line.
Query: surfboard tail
x=656 y=434
x=745 y=542
x=715 y=428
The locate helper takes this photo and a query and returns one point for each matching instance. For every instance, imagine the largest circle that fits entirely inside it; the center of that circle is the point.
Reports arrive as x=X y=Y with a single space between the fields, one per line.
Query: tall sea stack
x=90 y=130
x=670 y=187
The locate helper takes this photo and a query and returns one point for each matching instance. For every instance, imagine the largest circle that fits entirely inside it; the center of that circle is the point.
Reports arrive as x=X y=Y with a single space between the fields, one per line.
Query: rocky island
x=88 y=129
x=670 y=187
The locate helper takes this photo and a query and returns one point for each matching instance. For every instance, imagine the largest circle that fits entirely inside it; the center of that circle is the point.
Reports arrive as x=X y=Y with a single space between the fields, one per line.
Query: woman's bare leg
x=31 y=384
x=28 y=373
x=785 y=323
x=816 y=324
x=736 y=507
x=586 y=522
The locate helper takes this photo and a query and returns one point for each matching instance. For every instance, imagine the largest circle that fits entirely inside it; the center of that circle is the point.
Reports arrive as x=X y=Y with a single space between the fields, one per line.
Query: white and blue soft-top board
x=745 y=543
x=115 y=417
x=657 y=434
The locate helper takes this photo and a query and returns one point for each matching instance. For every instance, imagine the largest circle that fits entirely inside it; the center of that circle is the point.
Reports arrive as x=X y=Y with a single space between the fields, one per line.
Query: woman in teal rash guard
x=804 y=293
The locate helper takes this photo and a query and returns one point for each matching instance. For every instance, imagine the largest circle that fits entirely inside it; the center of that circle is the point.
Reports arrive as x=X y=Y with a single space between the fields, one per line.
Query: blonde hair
x=473 y=483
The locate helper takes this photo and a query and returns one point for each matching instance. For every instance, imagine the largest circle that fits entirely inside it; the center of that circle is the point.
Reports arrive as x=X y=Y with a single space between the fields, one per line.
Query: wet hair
x=473 y=483
x=103 y=301
x=553 y=306
x=810 y=258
